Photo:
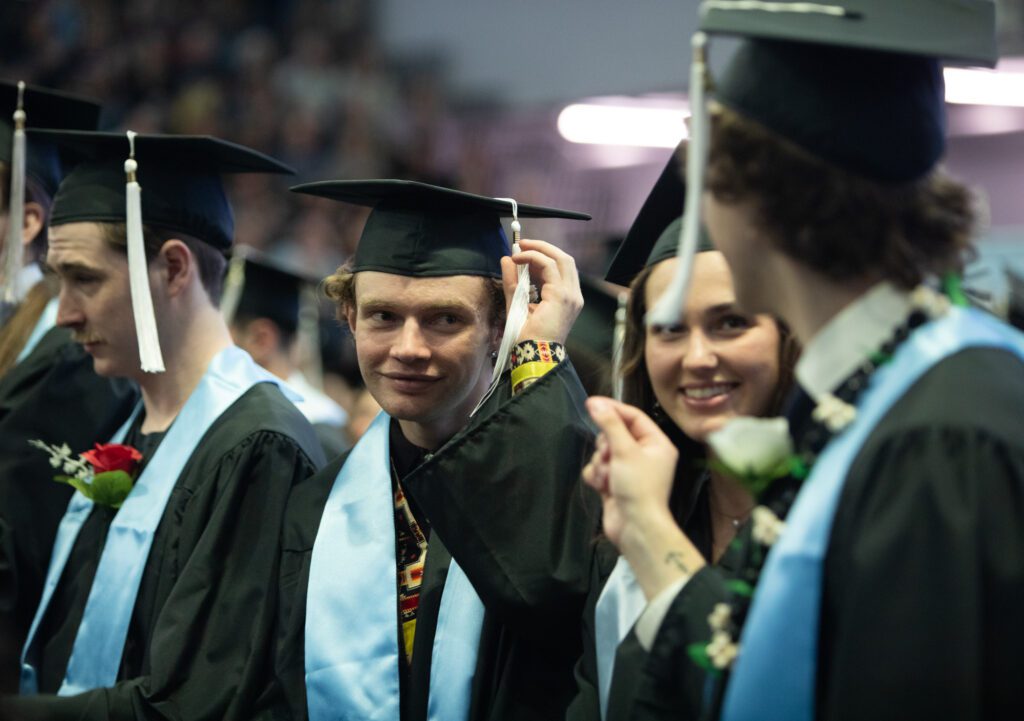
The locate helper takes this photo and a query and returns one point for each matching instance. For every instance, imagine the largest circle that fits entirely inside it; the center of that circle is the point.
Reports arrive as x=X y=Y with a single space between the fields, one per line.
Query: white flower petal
x=752 y=445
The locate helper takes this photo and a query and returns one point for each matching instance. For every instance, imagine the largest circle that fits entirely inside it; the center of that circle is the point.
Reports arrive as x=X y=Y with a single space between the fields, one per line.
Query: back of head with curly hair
x=840 y=225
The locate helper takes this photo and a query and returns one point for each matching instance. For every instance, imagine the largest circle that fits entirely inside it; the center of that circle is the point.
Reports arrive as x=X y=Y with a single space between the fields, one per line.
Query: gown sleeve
x=506 y=498
x=210 y=651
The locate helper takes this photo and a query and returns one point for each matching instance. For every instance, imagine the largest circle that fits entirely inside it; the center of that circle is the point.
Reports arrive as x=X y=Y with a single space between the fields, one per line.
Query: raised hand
x=554 y=272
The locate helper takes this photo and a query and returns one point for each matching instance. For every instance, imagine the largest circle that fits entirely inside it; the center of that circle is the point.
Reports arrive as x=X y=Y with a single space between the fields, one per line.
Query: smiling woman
x=717 y=363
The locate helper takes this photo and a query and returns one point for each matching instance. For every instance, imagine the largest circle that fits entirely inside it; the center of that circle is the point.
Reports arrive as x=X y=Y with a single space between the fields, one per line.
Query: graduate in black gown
x=47 y=384
x=163 y=607
x=887 y=593
x=273 y=315
x=729 y=364
x=476 y=614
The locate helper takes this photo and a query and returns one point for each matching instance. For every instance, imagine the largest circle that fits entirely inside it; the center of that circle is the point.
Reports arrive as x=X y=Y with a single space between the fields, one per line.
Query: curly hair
x=340 y=287
x=839 y=224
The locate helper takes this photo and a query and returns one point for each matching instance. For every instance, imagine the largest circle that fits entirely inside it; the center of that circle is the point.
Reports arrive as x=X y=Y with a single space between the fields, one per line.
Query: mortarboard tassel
x=618 y=344
x=518 y=310
x=309 y=335
x=234 y=284
x=138 y=272
x=14 y=249
x=669 y=307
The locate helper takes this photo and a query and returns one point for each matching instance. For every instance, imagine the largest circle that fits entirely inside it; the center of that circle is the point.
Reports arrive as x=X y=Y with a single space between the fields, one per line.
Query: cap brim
x=963 y=31
x=191 y=154
x=412 y=194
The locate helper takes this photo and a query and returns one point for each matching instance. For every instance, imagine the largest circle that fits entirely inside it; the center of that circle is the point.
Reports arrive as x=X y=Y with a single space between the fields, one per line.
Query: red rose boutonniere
x=104 y=475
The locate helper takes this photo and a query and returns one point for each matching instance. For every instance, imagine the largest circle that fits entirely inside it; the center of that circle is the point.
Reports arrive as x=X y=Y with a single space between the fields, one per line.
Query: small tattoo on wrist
x=675 y=558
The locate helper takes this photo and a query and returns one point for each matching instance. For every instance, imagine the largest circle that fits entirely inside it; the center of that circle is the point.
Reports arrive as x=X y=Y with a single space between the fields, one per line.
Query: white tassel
x=669 y=307
x=138 y=270
x=618 y=344
x=14 y=249
x=234 y=284
x=518 y=310
x=309 y=335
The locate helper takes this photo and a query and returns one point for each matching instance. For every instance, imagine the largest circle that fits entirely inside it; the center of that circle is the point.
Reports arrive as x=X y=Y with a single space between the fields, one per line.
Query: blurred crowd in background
x=301 y=80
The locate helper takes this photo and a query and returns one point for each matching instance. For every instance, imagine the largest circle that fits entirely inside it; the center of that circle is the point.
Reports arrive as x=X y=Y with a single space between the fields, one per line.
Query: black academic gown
x=52 y=395
x=504 y=498
x=200 y=637
x=632 y=694
x=924 y=572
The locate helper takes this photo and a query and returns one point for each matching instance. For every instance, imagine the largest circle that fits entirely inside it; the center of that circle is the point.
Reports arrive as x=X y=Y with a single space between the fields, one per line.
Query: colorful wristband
x=532 y=359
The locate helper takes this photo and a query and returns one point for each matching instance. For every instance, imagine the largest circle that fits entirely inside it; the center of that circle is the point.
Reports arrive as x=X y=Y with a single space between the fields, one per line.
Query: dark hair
x=210 y=262
x=340 y=287
x=34 y=193
x=638 y=391
x=286 y=332
x=841 y=225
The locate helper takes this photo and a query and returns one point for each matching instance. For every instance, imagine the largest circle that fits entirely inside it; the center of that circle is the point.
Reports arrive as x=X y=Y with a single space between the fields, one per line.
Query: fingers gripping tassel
x=518 y=310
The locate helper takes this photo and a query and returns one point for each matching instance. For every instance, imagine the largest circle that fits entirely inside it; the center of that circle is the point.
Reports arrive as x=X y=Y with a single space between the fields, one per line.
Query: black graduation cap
x=857 y=83
x=43 y=108
x=424 y=230
x=261 y=286
x=171 y=182
x=654 y=235
x=180 y=176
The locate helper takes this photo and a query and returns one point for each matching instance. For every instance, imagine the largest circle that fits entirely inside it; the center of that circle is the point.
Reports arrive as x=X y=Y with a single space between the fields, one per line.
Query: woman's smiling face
x=718 y=362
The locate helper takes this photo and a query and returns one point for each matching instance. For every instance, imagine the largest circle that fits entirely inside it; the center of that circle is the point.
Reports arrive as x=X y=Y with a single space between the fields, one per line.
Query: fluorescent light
x=984 y=87
x=627 y=125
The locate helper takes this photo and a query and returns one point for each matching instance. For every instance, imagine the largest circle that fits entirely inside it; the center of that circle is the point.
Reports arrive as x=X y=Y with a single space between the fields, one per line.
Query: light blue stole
x=47 y=321
x=351 y=632
x=774 y=676
x=619 y=606
x=99 y=643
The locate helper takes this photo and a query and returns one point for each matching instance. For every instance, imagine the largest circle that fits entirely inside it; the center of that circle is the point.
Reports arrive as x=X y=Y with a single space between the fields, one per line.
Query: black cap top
x=856 y=83
x=269 y=288
x=43 y=109
x=423 y=230
x=654 y=235
x=957 y=30
x=180 y=177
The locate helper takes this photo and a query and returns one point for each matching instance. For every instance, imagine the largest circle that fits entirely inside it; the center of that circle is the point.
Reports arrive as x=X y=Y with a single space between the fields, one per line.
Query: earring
x=494 y=355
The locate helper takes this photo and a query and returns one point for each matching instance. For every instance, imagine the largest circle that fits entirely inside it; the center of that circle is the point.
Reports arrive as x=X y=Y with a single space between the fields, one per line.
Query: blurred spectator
x=303 y=80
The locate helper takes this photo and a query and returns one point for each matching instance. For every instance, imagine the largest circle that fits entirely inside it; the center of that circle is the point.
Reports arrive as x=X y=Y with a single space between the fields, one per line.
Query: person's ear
x=177 y=265
x=35 y=220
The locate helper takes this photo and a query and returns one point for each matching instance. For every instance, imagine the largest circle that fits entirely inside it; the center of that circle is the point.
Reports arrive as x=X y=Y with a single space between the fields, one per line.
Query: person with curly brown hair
x=884 y=563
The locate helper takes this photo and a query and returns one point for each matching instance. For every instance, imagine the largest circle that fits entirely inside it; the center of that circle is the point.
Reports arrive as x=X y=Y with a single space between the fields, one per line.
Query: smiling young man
x=162 y=604
x=41 y=370
x=438 y=569
x=888 y=592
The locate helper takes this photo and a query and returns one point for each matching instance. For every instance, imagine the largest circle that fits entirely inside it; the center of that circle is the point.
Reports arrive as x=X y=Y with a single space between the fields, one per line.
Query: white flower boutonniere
x=754 y=450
